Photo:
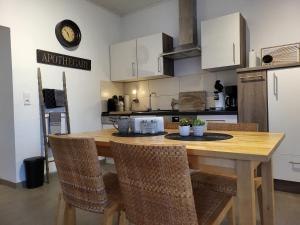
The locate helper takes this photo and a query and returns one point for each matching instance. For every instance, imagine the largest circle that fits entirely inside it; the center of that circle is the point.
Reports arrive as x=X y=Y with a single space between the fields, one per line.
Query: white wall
x=32 y=24
x=7 y=137
x=269 y=22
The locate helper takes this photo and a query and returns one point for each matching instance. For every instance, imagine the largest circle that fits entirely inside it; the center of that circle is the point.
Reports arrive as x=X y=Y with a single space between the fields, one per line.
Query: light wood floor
x=37 y=206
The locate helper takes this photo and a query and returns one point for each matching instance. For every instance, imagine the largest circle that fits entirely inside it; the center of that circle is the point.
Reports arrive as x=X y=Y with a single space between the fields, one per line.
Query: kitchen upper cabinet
x=150 y=63
x=140 y=59
x=223 y=42
x=253 y=98
x=123 y=61
x=284 y=117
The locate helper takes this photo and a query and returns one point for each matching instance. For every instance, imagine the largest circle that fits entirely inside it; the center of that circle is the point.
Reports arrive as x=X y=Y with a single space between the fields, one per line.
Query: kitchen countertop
x=170 y=112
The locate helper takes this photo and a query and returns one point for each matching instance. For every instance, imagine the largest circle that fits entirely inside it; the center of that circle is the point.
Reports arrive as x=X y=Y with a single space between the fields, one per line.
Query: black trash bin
x=34 y=171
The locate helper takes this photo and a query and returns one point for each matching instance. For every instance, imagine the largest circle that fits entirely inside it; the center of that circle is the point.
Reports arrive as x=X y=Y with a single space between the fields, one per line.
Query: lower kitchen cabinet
x=218 y=118
x=284 y=117
x=253 y=99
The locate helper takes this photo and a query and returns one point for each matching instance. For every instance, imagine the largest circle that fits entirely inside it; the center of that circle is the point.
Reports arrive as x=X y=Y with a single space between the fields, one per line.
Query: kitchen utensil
x=231 y=98
x=192 y=101
x=122 y=125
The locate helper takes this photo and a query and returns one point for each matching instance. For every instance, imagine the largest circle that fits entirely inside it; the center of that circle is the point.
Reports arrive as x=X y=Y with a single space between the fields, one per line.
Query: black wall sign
x=56 y=59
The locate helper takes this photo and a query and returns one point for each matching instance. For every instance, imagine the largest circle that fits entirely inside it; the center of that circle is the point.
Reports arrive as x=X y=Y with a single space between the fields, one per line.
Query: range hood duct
x=188 y=39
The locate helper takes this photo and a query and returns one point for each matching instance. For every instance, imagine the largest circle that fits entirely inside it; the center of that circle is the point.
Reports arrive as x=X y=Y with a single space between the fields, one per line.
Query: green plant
x=184 y=122
x=198 y=122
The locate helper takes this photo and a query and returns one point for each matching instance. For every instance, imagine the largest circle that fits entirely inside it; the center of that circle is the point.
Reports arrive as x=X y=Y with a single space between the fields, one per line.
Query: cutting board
x=192 y=101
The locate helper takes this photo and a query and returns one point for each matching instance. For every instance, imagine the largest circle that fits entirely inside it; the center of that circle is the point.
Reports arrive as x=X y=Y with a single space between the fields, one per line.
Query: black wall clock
x=68 y=33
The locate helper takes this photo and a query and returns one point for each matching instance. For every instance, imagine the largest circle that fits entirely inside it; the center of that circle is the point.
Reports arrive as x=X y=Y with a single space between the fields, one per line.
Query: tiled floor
x=37 y=207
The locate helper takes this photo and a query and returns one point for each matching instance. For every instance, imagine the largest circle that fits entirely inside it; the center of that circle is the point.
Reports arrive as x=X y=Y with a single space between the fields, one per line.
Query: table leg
x=268 y=193
x=246 y=192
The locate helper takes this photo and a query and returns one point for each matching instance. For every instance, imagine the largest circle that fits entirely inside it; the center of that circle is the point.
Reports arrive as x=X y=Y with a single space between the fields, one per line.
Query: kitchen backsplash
x=165 y=89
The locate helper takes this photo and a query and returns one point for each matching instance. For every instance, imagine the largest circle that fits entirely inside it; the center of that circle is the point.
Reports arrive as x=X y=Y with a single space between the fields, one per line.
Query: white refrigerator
x=284 y=116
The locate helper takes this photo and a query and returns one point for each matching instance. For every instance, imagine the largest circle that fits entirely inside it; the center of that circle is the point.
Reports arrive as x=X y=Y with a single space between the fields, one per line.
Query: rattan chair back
x=79 y=172
x=233 y=126
x=171 y=125
x=155 y=184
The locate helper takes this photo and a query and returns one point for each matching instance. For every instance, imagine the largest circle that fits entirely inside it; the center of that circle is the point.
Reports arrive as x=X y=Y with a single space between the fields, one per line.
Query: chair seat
x=209 y=204
x=112 y=187
x=217 y=183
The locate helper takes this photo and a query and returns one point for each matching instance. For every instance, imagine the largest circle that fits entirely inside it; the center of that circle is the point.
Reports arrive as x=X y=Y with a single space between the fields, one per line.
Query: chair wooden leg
x=260 y=204
x=122 y=219
x=70 y=215
x=109 y=213
x=58 y=209
x=231 y=216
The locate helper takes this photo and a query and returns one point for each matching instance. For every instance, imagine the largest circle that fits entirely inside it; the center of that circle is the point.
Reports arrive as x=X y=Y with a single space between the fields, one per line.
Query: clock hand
x=65 y=30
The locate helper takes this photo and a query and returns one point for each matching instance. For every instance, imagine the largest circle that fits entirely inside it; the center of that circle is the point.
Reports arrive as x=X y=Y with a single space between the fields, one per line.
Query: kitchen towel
x=59 y=98
x=54 y=123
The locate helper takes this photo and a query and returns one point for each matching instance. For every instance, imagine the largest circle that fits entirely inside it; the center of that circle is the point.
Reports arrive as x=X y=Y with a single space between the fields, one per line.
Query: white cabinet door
x=221 y=41
x=149 y=49
x=123 y=61
x=283 y=107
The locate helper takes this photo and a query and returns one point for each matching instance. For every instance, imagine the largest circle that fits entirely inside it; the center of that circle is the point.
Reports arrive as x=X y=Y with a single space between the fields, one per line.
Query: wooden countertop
x=269 y=67
x=258 y=146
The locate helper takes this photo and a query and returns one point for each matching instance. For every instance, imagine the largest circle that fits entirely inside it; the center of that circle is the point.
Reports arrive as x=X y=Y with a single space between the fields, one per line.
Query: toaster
x=145 y=125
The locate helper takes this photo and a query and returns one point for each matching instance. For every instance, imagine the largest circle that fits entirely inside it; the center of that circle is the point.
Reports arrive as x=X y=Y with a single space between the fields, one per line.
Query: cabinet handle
x=294 y=163
x=275 y=85
x=252 y=78
x=233 y=55
x=133 y=70
x=158 y=64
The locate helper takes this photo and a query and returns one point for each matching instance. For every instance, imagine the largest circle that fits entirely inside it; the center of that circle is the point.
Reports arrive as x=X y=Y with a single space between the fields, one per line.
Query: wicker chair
x=171 y=125
x=233 y=126
x=82 y=182
x=220 y=182
x=156 y=187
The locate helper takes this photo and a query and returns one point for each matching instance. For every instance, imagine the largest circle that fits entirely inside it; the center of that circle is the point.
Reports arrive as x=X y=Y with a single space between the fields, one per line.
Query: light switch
x=26 y=98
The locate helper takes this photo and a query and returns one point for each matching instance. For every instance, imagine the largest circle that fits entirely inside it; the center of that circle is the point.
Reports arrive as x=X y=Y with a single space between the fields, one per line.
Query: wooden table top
x=257 y=146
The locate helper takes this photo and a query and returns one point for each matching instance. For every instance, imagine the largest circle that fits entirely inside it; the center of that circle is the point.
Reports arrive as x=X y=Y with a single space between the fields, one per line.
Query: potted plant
x=198 y=127
x=184 y=127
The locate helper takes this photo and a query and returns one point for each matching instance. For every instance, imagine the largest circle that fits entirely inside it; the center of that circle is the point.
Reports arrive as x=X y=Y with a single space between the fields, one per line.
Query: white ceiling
x=123 y=7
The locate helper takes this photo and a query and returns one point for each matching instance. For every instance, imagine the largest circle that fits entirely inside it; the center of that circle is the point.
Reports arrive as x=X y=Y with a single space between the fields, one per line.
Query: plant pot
x=184 y=131
x=198 y=130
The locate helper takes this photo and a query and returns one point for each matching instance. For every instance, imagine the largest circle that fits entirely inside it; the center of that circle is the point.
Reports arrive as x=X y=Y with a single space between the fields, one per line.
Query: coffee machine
x=231 y=98
x=219 y=96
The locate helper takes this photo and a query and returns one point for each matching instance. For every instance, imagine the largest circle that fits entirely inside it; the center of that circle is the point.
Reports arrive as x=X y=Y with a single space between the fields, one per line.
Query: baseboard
x=287 y=186
x=11 y=184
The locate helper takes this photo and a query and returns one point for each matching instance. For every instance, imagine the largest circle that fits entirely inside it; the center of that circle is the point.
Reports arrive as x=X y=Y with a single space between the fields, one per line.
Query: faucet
x=150 y=100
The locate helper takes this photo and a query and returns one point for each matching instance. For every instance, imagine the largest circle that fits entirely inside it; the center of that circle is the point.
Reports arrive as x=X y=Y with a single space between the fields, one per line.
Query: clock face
x=68 y=33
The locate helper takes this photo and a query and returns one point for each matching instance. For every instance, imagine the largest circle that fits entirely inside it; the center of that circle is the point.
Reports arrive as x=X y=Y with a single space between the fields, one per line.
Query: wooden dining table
x=238 y=157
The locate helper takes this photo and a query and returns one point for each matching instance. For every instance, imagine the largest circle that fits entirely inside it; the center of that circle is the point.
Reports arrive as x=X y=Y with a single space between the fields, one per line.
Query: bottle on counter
x=127 y=103
x=120 y=104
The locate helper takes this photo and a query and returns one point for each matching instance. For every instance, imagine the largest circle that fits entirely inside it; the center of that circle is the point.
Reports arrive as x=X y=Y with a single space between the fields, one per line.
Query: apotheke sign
x=56 y=59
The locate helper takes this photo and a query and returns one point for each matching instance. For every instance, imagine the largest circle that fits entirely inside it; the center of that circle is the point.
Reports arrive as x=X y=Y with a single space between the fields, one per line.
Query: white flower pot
x=198 y=130
x=184 y=131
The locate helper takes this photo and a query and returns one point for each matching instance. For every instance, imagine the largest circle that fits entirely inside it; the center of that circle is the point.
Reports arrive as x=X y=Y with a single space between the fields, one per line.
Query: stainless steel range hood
x=188 y=41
